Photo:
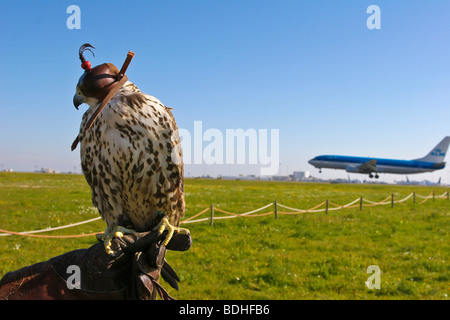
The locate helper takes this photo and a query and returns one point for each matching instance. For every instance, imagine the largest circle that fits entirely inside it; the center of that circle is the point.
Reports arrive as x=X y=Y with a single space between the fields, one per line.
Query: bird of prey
x=131 y=155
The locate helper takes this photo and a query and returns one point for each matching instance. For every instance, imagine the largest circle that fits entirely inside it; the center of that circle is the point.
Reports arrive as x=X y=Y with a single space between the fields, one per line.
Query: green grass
x=305 y=256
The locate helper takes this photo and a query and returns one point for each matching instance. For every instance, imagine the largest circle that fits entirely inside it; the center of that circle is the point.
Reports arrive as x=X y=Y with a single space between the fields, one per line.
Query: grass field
x=305 y=256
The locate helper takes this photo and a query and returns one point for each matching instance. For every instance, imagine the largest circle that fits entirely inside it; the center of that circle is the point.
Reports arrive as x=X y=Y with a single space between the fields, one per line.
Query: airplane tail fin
x=437 y=154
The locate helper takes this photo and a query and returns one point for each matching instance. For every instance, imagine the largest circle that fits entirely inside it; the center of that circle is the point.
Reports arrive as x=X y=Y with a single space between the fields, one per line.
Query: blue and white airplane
x=434 y=160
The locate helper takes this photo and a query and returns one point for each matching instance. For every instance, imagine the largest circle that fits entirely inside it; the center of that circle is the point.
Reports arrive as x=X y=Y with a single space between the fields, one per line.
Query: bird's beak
x=77 y=100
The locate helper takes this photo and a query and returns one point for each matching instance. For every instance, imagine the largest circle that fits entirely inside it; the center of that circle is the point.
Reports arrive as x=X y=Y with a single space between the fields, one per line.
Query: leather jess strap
x=122 y=78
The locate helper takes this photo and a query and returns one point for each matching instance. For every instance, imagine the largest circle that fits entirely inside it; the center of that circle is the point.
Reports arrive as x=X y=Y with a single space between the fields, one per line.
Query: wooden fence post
x=212 y=215
x=276 y=209
x=414 y=197
x=326 y=210
x=434 y=195
x=392 y=201
x=360 y=203
x=448 y=196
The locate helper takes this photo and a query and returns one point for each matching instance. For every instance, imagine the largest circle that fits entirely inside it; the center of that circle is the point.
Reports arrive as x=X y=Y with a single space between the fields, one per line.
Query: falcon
x=131 y=154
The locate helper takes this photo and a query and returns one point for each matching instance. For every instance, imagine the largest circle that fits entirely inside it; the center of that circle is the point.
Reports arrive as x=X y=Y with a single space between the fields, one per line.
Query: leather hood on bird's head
x=98 y=81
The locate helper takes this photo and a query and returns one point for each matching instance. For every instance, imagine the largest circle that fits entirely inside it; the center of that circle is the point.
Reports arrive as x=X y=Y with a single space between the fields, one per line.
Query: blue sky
x=311 y=69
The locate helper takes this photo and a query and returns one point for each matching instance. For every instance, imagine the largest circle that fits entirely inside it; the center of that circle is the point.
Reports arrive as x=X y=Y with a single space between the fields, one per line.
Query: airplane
x=434 y=160
x=419 y=183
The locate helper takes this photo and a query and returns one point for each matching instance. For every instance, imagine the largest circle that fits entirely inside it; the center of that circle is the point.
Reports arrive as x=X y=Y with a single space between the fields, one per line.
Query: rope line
x=195 y=216
x=246 y=213
x=194 y=221
x=51 y=229
x=48 y=236
x=250 y=214
x=308 y=210
x=378 y=203
x=344 y=206
x=289 y=208
x=426 y=198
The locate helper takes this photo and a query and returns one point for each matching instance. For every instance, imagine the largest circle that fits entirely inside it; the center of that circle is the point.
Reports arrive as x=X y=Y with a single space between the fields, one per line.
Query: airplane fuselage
x=434 y=160
x=353 y=164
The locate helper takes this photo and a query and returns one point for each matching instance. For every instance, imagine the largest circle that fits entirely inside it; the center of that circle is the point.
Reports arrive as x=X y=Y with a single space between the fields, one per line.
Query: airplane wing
x=369 y=166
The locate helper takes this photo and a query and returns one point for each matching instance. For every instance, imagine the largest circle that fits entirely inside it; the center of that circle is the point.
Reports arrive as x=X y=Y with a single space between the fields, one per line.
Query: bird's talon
x=164 y=224
x=182 y=230
x=108 y=236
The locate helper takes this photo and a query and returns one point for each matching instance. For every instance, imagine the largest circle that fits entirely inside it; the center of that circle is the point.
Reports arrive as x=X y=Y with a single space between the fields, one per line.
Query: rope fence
x=328 y=206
